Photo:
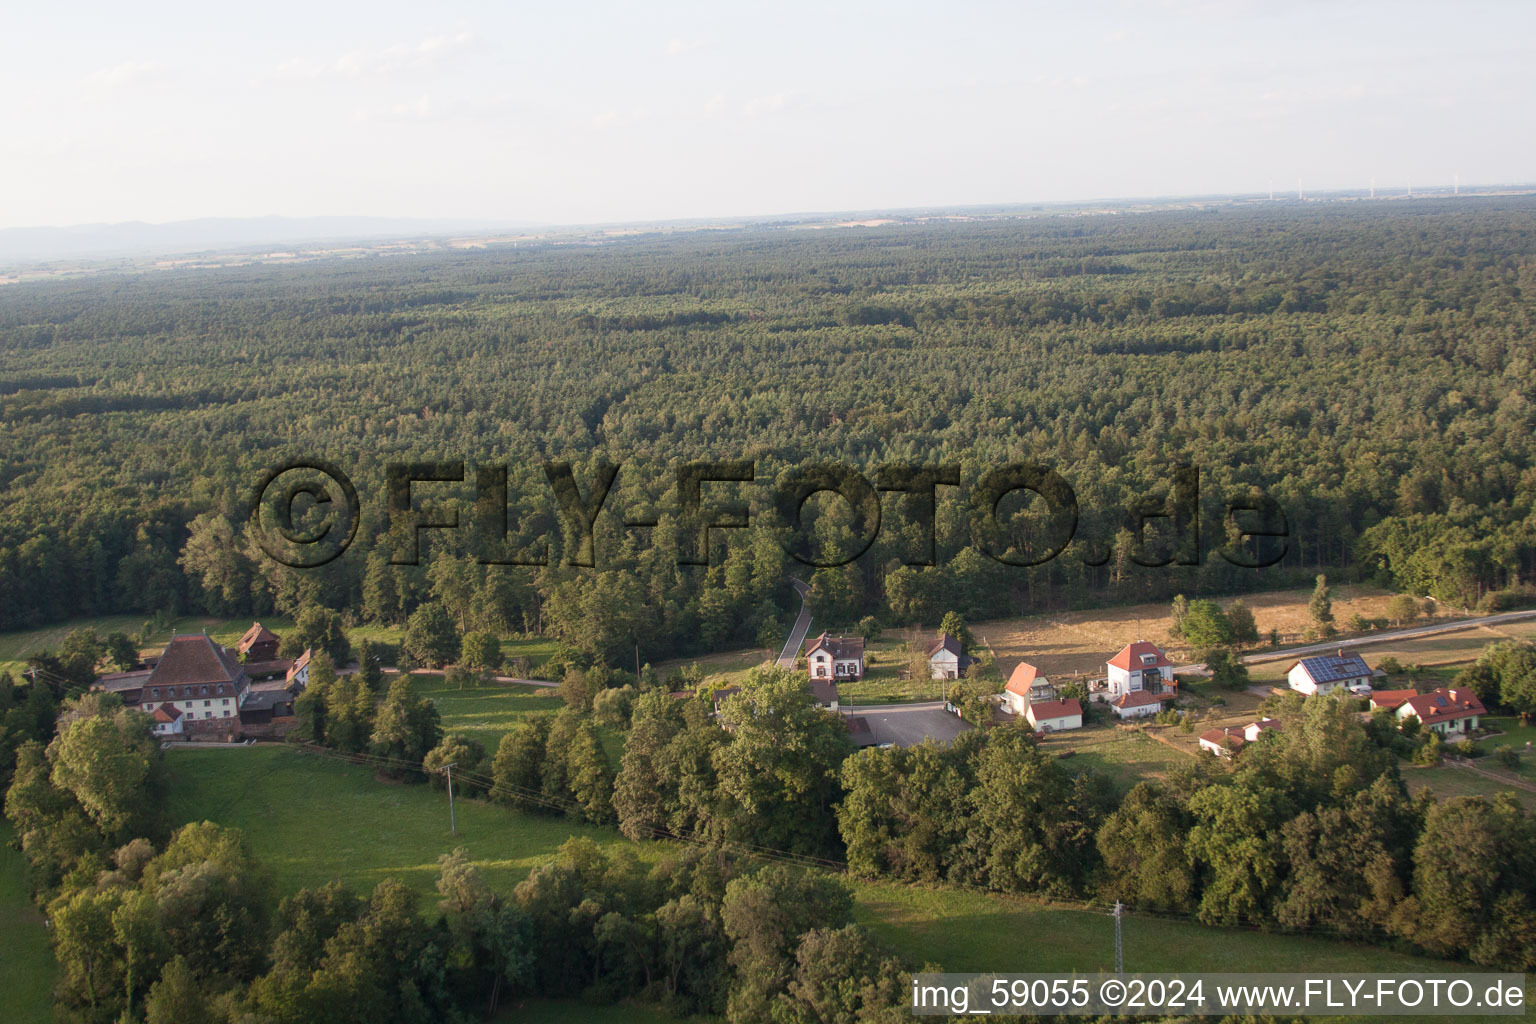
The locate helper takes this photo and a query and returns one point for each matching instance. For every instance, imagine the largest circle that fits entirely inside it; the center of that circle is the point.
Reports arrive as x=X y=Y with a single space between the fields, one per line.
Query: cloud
x=391 y=60
x=122 y=74
x=764 y=105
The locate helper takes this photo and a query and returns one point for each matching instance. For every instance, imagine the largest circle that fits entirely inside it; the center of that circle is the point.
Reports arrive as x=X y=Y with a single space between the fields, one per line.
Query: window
x=171 y=691
x=1149 y=659
x=155 y=692
x=225 y=701
x=226 y=714
x=205 y=691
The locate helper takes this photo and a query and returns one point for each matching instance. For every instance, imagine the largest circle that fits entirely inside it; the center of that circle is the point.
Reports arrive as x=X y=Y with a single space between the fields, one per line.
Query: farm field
x=1436 y=653
x=726 y=667
x=26 y=961
x=1077 y=643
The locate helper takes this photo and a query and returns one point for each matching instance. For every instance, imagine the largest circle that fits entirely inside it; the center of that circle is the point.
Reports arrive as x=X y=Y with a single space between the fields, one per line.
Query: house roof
x=1141 y=698
x=1445 y=705
x=1335 y=668
x=1022 y=678
x=1046 y=709
x=839 y=647
x=859 y=730
x=300 y=663
x=1223 y=737
x=1130 y=656
x=118 y=682
x=165 y=715
x=193 y=658
x=945 y=642
x=824 y=690
x=1266 y=724
x=255 y=635
x=1391 y=700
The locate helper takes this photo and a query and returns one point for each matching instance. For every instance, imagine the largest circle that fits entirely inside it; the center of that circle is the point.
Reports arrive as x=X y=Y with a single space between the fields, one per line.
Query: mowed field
x=313 y=820
x=26 y=961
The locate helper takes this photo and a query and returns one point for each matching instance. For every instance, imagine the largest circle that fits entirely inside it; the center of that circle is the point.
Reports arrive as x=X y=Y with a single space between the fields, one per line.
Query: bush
x=1390 y=665
x=1508 y=757
x=612 y=707
x=1466 y=748
x=1429 y=752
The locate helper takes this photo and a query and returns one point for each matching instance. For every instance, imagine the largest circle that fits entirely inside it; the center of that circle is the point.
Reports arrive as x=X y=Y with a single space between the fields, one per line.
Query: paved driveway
x=907 y=725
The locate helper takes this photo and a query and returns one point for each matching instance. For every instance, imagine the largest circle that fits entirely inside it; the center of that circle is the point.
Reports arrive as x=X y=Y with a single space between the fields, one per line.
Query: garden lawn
x=26 y=961
x=1125 y=755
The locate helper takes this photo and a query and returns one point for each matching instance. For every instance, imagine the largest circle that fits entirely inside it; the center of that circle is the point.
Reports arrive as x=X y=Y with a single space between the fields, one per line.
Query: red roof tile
x=1055 y=709
x=1024 y=676
x=1130 y=656
x=1445 y=706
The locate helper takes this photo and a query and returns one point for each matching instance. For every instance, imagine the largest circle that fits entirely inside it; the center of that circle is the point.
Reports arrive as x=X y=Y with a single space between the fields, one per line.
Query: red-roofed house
x=1026 y=684
x=1056 y=715
x=203 y=682
x=836 y=657
x=168 y=720
x=1253 y=730
x=298 y=673
x=1391 y=700
x=1445 y=711
x=1140 y=680
x=1222 y=742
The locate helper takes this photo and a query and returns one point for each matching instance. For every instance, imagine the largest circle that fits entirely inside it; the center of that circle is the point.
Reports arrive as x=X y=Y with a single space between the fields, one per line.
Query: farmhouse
x=1330 y=673
x=947 y=658
x=298 y=672
x=1140 y=680
x=836 y=657
x=197 y=683
x=1056 y=715
x=1445 y=711
x=1026 y=684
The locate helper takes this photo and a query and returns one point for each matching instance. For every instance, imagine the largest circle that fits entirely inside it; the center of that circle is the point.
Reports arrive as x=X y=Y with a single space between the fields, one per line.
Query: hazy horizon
x=684 y=112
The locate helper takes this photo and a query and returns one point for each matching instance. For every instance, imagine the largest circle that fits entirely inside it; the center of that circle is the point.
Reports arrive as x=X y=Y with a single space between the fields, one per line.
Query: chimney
x=1341 y=653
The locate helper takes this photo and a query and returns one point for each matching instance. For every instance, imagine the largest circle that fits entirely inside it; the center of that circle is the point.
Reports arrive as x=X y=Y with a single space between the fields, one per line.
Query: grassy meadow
x=26 y=961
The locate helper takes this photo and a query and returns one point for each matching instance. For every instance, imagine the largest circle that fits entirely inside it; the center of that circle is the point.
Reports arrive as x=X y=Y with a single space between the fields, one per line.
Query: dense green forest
x=1369 y=367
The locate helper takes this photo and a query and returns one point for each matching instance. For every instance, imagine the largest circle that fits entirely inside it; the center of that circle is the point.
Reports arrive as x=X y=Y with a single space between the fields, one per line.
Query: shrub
x=1390 y=665
x=1508 y=757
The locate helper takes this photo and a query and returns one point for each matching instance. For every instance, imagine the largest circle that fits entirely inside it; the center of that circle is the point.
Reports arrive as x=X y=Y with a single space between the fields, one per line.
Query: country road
x=801 y=627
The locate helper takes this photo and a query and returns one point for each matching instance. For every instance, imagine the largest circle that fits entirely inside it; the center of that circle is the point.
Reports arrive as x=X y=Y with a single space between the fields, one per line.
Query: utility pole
x=1119 y=950
x=453 y=825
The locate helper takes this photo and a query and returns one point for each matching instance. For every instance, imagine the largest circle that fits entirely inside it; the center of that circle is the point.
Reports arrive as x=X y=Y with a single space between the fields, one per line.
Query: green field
x=1446 y=782
x=486 y=713
x=26 y=962
x=1127 y=756
x=312 y=820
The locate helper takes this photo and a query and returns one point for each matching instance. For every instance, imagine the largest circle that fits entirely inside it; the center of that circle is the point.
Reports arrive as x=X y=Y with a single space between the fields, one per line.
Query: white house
x=168 y=720
x=298 y=673
x=1330 y=673
x=1222 y=742
x=1056 y=715
x=1140 y=680
x=836 y=657
x=1253 y=730
x=825 y=692
x=1026 y=684
x=1447 y=712
x=947 y=658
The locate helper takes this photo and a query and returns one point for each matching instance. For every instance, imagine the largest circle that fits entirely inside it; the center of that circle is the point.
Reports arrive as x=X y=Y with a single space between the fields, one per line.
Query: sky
x=586 y=113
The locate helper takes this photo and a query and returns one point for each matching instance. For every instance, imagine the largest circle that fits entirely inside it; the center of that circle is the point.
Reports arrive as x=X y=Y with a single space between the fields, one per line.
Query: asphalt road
x=801 y=627
x=907 y=725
